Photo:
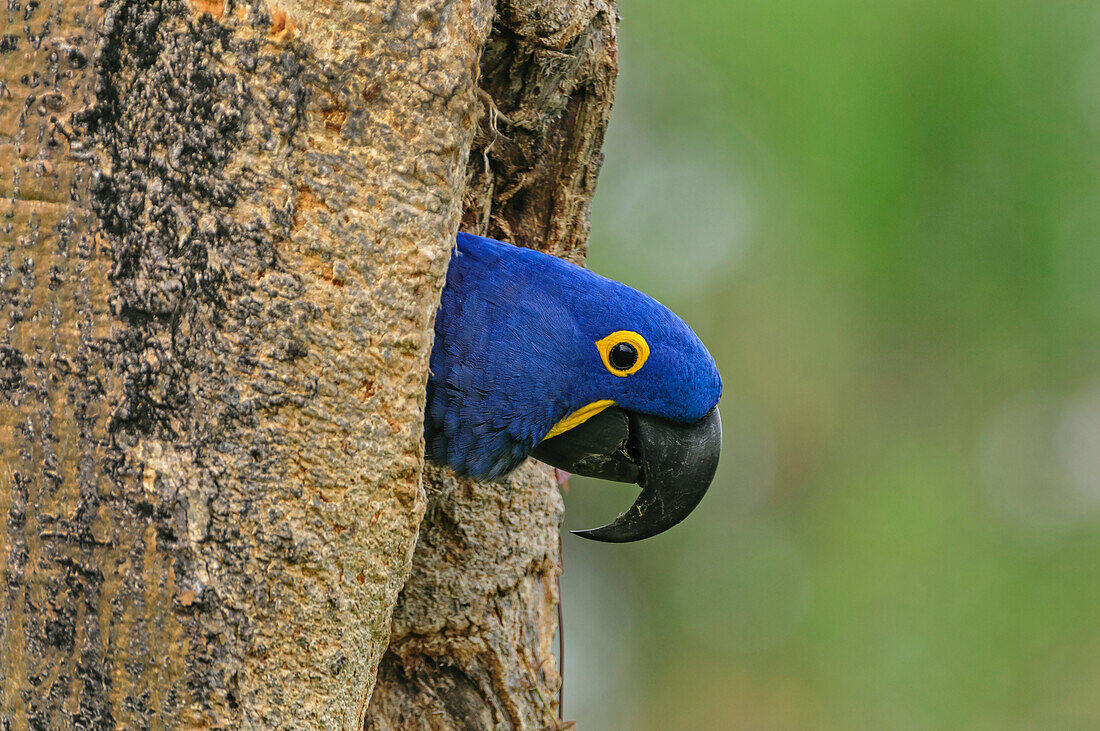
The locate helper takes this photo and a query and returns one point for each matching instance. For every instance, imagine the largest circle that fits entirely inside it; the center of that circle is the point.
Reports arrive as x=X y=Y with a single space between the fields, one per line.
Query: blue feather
x=515 y=353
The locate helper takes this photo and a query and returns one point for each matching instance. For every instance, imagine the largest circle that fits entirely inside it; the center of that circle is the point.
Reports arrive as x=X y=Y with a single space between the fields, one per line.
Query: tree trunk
x=224 y=230
x=473 y=632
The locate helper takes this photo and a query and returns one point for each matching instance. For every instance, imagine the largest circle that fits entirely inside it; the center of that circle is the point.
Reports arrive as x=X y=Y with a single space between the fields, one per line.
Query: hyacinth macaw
x=535 y=356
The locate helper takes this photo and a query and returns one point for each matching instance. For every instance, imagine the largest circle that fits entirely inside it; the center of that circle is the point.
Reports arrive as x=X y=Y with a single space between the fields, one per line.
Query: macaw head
x=535 y=356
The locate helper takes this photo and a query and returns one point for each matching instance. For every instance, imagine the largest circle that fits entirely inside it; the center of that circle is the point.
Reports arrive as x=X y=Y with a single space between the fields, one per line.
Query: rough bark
x=223 y=233
x=473 y=632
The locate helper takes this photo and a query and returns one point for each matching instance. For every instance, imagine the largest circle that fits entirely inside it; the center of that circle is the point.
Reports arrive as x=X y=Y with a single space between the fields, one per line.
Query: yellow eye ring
x=627 y=338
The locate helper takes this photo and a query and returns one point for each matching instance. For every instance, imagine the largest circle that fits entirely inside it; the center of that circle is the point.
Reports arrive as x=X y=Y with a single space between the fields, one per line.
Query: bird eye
x=622 y=356
x=623 y=352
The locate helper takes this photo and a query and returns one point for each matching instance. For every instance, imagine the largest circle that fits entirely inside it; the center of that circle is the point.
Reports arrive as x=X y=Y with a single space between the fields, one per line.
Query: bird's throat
x=578 y=417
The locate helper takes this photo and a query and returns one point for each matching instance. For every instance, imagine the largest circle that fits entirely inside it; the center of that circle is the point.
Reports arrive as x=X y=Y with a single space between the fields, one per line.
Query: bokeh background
x=884 y=220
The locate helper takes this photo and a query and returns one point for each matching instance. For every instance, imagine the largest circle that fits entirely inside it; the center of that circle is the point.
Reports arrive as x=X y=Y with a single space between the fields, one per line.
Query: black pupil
x=622 y=356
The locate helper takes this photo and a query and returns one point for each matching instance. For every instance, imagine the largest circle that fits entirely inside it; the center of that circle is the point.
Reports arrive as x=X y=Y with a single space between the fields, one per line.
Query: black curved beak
x=672 y=462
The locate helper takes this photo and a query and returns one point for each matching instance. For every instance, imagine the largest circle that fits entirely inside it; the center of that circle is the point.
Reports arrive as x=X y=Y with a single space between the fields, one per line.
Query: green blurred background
x=884 y=220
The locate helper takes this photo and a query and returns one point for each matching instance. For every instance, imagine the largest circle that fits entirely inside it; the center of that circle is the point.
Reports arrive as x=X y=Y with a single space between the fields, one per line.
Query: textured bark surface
x=224 y=228
x=473 y=632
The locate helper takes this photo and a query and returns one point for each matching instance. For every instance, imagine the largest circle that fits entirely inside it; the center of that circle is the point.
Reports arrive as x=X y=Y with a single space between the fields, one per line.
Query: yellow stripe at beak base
x=578 y=417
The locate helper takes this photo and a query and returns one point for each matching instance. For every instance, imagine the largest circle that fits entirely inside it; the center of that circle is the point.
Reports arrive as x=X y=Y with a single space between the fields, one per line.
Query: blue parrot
x=535 y=356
